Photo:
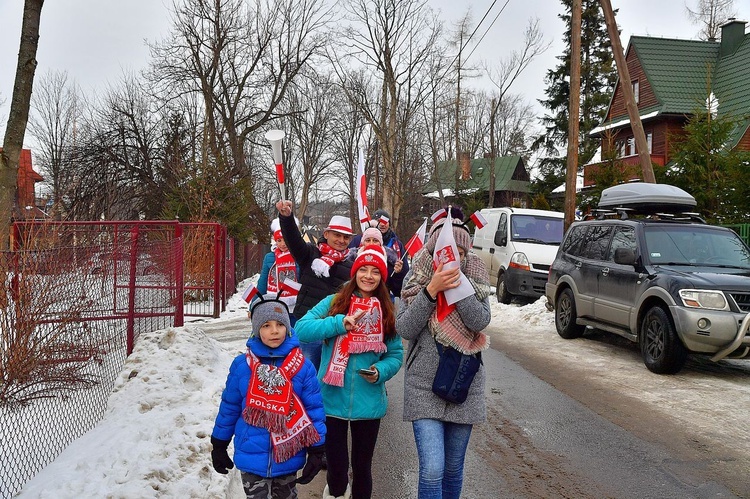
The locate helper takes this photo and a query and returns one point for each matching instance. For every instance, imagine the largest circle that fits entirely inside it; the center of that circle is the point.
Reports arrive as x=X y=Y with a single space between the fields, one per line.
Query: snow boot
x=347 y=494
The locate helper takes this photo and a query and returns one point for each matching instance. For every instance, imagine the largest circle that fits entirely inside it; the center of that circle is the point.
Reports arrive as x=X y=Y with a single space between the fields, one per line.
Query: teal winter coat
x=357 y=399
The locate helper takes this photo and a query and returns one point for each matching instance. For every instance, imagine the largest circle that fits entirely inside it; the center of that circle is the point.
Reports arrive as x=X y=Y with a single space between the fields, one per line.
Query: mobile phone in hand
x=367 y=372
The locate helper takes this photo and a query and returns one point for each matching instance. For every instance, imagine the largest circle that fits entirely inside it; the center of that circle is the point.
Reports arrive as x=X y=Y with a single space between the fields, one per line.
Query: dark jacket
x=313 y=288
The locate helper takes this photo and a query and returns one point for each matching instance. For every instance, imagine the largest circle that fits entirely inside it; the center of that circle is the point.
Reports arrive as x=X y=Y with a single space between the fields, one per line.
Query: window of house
x=650 y=141
x=630 y=148
x=636 y=91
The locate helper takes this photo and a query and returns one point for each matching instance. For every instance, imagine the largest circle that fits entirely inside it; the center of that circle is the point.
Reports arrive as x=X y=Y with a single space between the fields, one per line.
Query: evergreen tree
x=598 y=76
x=704 y=166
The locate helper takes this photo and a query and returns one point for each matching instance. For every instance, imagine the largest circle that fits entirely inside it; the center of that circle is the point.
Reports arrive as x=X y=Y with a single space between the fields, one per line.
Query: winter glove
x=313 y=465
x=220 y=456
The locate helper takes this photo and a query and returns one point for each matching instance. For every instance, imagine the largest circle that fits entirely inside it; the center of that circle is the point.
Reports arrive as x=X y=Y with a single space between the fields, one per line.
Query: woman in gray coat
x=442 y=429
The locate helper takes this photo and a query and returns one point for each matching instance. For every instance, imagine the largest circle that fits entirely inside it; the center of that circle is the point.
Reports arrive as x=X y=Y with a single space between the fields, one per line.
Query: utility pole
x=574 y=108
x=493 y=155
x=624 y=75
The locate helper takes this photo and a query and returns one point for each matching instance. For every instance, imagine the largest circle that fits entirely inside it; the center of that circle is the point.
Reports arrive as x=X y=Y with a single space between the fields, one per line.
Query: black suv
x=673 y=284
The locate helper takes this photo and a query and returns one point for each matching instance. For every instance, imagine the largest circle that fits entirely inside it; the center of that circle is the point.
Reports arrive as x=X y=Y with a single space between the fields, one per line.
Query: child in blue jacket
x=361 y=351
x=273 y=408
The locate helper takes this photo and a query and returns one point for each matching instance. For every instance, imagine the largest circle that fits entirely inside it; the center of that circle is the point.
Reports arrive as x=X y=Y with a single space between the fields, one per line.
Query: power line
x=488 y=28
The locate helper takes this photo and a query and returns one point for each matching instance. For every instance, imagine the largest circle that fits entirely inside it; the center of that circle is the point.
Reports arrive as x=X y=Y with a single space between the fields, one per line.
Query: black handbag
x=454 y=374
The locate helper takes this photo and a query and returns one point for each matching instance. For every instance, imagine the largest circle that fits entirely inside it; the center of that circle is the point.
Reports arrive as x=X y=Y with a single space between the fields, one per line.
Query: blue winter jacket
x=357 y=399
x=253 y=452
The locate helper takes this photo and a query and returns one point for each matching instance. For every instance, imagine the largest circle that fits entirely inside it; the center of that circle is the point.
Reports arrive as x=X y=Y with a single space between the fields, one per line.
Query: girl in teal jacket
x=361 y=351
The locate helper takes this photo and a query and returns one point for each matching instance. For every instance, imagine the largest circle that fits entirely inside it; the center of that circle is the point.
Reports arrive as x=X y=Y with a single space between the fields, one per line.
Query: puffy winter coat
x=253 y=451
x=357 y=399
x=313 y=288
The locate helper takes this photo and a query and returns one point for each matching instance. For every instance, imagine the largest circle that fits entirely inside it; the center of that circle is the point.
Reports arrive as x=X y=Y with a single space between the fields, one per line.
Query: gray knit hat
x=269 y=310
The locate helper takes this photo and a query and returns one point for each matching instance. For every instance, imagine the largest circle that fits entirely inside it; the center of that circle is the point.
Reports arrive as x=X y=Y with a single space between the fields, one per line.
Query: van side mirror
x=624 y=256
x=501 y=239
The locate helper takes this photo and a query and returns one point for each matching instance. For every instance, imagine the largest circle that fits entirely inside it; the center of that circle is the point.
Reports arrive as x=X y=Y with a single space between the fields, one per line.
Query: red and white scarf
x=367 y=336
x=328 y=256
x=272 y=404
x=283 y=268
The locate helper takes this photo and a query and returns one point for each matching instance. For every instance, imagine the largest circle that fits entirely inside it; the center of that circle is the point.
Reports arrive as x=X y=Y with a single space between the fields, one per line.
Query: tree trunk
x=19 y=115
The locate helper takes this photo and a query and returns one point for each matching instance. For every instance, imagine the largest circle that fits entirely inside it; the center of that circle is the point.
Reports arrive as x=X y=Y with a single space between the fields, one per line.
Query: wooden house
x=512 y=181
x=672 y=78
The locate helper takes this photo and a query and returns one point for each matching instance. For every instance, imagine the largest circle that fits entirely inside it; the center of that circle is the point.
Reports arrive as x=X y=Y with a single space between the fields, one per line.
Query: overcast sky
x=96 y=40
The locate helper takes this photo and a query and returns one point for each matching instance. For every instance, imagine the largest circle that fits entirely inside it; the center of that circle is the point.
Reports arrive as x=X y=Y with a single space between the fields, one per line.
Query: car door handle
x=605 y=271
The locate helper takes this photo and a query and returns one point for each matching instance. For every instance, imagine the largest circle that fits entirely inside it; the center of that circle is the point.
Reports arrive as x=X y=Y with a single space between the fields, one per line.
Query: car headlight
x=703 y=298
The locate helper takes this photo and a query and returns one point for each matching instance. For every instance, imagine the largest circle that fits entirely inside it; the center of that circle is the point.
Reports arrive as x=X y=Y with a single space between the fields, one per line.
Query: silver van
x=518 y=246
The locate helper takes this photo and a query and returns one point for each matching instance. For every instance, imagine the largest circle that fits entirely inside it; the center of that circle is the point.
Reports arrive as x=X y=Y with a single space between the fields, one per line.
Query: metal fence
x=77 y=297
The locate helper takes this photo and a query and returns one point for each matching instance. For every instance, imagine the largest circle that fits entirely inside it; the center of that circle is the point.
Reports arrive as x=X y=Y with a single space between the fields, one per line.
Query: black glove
x=220 y=456
x=313 y=465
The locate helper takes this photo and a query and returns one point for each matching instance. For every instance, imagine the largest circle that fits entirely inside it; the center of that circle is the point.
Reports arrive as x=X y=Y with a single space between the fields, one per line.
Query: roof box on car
x=643 y=197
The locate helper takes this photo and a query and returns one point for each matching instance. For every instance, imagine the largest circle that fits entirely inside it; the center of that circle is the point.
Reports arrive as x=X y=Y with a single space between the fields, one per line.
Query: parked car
x=670 y=282
x=517 y=246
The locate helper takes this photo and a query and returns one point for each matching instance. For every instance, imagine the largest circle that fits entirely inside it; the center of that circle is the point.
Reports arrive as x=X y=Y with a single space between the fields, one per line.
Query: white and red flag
x=364 y=213
x=417 y=240
x=441 y=213
x=291 y=287
x=446 y=253
x=250 y=293
x=478 y=219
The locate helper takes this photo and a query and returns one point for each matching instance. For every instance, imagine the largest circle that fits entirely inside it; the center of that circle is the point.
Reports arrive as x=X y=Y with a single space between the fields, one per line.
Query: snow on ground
x=154 y=439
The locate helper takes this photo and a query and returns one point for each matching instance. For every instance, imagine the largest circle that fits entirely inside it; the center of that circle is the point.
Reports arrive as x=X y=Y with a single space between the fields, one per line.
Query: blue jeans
x=312 y=351
x=441 y=447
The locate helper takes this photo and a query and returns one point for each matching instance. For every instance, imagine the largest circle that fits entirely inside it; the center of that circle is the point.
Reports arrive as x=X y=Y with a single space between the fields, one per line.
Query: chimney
x=732 y=35
x=465 y=163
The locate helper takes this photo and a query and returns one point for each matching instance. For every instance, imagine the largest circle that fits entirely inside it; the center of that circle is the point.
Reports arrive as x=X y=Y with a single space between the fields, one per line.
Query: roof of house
x=680 y=72
x=505 y=167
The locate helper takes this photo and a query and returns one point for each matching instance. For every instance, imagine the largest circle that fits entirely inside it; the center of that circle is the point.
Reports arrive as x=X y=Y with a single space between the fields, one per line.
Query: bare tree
x=391 y=40
x=19 y=115
x=241 y=57
x=56 y=105
x=503 y=76
x=710 y=15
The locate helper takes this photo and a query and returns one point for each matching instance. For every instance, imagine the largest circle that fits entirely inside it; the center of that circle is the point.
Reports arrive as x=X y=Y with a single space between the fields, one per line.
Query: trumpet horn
x=274 y=137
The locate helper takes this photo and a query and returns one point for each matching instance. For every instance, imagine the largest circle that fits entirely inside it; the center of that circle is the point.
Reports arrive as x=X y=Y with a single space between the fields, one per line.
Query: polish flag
x=441 y=213
x=446 y=253
x=478 y=219
x=364 y=213
x=291 y=287
x=384 y=220
x=250 y=293
x=417 y=240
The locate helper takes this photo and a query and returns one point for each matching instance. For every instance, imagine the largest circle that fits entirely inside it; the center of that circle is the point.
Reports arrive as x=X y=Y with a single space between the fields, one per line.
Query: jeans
x=441 y=447
x=312 y=351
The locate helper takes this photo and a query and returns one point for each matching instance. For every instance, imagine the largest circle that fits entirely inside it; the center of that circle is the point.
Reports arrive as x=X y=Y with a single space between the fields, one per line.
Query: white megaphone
x=275 y=137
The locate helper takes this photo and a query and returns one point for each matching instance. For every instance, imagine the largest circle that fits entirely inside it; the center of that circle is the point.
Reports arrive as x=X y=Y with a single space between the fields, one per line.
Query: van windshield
x=695 y=245
x=536 y=229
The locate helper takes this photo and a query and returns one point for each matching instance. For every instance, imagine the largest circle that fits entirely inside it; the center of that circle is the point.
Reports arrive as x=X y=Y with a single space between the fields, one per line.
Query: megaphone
x=274 y=137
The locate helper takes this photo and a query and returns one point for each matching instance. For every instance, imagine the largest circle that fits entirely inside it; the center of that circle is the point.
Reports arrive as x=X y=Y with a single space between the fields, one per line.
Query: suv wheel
x=565 y=316
x=501 y=291
x=662 y=351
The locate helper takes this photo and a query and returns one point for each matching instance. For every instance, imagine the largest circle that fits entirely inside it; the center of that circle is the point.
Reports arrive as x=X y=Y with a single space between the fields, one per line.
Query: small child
x=272 y=403
x=278 y=266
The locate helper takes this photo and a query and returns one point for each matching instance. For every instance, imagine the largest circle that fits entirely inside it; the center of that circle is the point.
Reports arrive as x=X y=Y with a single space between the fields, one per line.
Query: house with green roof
x=670 y=79
x=472 y=176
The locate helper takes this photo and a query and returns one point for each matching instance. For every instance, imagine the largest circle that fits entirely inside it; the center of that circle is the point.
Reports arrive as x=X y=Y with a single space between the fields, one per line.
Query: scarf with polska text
x=284 y=267
x=272 y=404
x=328 y=256
x=366 y=336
